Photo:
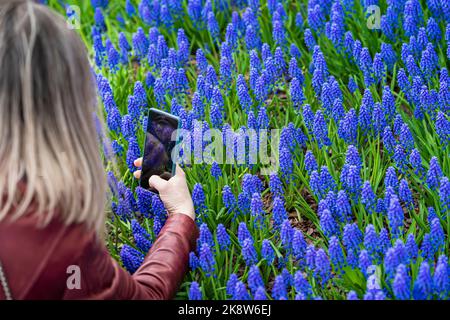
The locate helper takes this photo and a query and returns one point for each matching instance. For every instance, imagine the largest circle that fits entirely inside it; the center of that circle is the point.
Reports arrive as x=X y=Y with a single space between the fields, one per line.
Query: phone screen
x=157 y=159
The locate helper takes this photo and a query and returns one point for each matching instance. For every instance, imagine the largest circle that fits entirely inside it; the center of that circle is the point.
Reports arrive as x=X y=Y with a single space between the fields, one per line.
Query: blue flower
x=229 y=199
x=195 y=292
x=412 y=249
x=405 y=193
x=385 y=242
x=279 y=213
x=352 y=237
x=248 y=252
x=133 y=153
x=328 y=224
x=395 y=216
x=141 y=236
x=243 y=233
x=254 y=279
x=206 y=258
x=379 y=68
x=244 y=97
x=296 y=91
x=352 y=85
x=275 y=185
x=423 y=286
x=286 y=235
x=444 y=194
x=378 y=119
x=216 y=171
x=391 y=261
x=351 y=180
x=99 y=20
x=403 y=80
x=213 y=26
x=348 y=127
x=260 y=294
x=441 y=282
x=198 y=197
x=437 y=235
x=365 y=261
x=320 y=130
x=309 y=39
x=286 y=164
x=389 y=141
x=434 y=174
x=416 y=162
x=140 y=44
x=368 y=197
x=278 y=33
x=223 y=239
x=402 y=283
x=391 y=180
x=205 y=236
x=202 y=62
x=131 y=258
x=252 y=38
x=231 y=284
x=279 y=290
x=267 y=252
x=442 y=126
x=310 y=257
x=426 y=248
x=371 y=241
x=158 y=207
x=322 y=268
x=240 y=292
x=336 y=254
x=352 y=295
x=310 y=162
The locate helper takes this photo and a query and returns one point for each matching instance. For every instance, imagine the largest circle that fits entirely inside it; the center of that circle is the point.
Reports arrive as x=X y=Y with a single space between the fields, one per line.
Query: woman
x=52 y=180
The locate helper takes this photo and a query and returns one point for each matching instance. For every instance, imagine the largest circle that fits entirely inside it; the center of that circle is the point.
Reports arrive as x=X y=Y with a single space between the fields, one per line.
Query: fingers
x=156 y=182
x=138 y=162
x=179 y=172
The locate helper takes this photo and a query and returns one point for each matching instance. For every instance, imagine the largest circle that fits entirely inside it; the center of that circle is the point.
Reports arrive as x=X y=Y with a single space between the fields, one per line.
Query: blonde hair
x=47 y=134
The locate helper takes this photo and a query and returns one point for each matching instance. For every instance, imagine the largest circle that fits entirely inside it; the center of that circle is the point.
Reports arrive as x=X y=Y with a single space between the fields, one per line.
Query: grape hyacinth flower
x=131 y=258
x=423 y=285
x=141 y=236
x=402 y=283
x=248 y=252
x=240 y=292
x=267 y=252
x=434 y=174
x=279 y=290
x=395 y=216
x=336 y=254
x=195 y=292
x=254 y=279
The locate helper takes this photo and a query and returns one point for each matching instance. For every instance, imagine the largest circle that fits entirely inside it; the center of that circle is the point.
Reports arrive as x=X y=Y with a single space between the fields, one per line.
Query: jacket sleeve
x=159 y=276
x=167 y=262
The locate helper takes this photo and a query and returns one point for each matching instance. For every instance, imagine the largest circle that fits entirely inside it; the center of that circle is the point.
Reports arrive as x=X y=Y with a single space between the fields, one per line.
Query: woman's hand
x=174 y=193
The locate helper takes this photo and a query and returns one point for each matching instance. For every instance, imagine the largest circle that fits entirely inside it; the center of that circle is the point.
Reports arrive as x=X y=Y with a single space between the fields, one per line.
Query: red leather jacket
x=36 y=260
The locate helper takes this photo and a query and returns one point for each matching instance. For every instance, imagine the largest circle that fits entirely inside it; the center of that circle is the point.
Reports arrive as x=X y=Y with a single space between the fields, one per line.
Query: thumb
x=178 y=171
x=156 y=182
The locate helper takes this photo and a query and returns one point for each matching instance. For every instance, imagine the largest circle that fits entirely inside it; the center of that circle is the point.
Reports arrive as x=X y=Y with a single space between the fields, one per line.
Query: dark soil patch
x=309 y=199
x=305 y=225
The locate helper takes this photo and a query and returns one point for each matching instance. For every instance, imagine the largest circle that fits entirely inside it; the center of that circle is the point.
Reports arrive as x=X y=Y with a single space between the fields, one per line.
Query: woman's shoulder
x=38 y=257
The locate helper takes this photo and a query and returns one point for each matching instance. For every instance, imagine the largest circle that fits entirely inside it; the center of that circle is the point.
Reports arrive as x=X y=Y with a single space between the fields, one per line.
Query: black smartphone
x=160 y=140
